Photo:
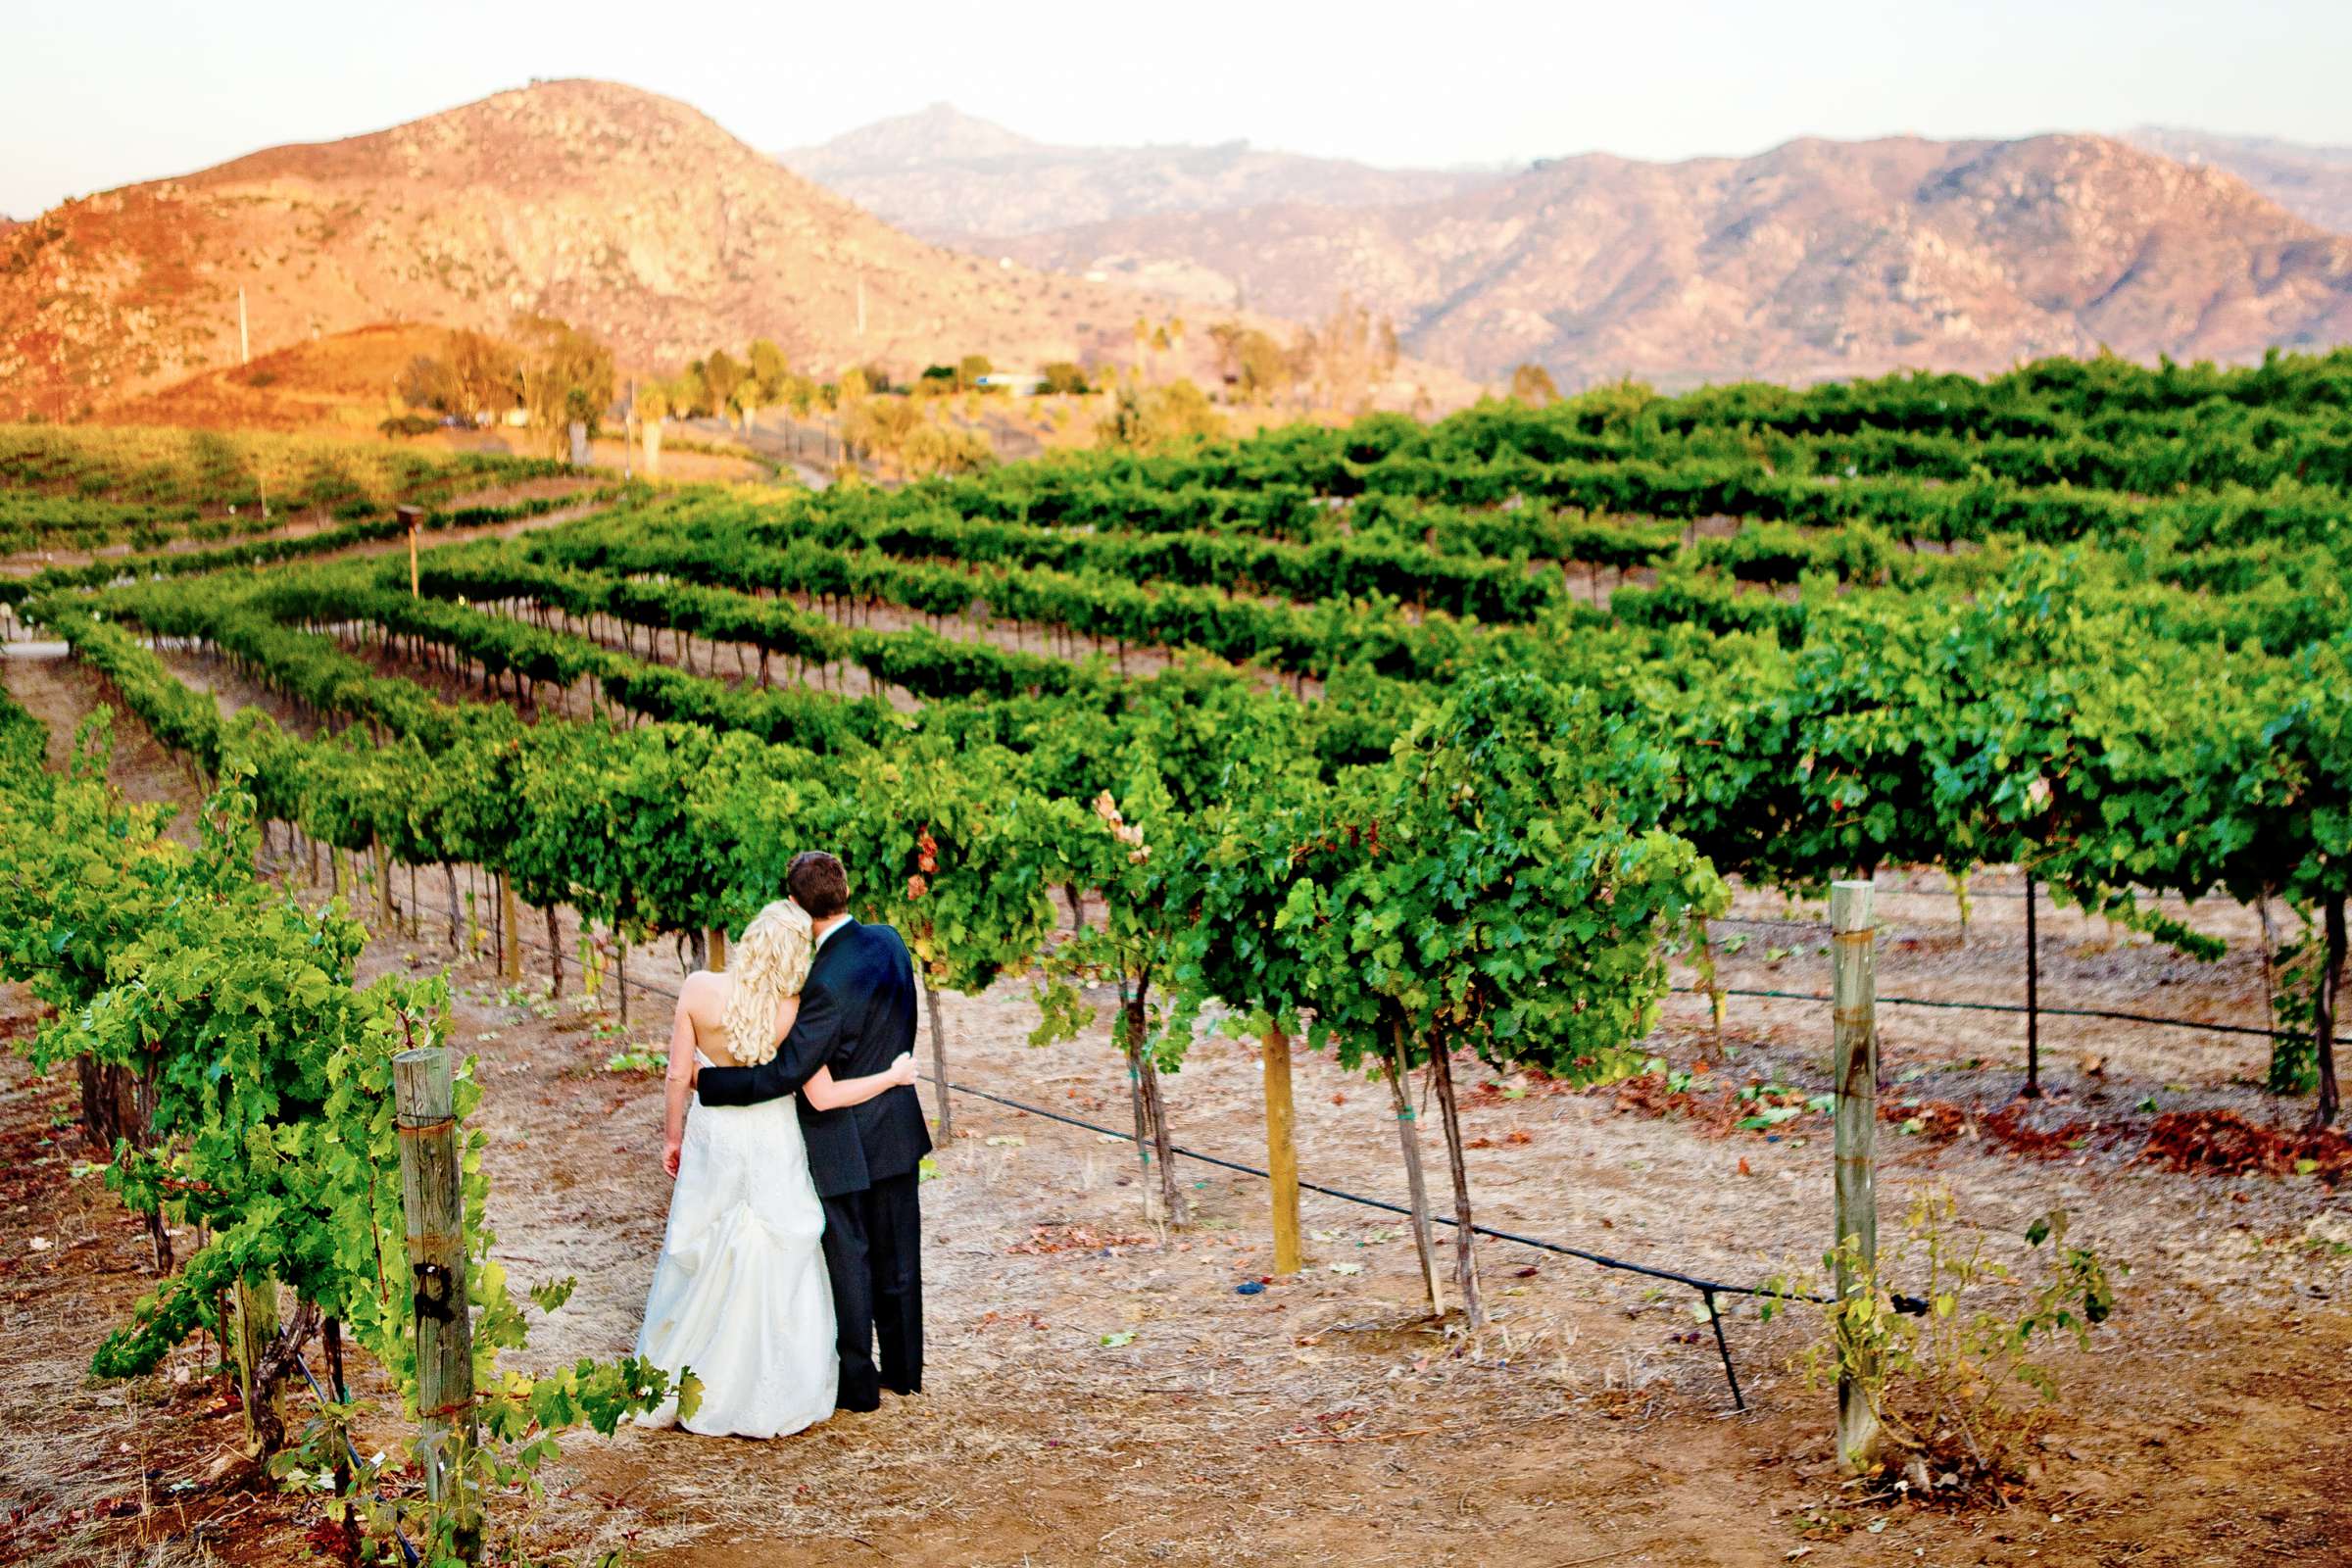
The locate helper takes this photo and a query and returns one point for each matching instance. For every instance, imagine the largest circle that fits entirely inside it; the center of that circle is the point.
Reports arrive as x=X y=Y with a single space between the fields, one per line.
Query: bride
x=739 y=1295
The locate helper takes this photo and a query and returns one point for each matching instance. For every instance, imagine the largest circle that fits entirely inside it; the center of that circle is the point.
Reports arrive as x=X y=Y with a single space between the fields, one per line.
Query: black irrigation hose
x=1601 y=1259
x=1707 y=1289
x=2012 y=1007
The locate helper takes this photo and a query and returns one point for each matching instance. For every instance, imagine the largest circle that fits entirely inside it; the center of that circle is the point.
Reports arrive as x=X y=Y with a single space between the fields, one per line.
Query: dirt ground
x=1098 y=1393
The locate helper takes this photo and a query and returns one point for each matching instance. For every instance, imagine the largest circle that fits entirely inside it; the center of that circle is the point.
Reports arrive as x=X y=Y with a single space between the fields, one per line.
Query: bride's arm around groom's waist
x=814 y=1034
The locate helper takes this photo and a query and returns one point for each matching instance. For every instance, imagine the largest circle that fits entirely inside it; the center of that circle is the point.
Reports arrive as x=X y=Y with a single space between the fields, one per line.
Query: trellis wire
x=2011 y=1008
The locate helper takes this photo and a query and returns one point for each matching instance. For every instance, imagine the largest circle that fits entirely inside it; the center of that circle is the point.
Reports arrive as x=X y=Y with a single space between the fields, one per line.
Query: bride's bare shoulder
x=702 y=992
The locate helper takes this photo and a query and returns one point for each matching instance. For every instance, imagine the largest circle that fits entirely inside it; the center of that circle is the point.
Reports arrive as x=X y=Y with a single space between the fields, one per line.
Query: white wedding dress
x=739 y=1295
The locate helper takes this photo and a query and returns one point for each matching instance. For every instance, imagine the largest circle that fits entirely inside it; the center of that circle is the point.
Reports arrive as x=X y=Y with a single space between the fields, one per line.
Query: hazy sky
x=94 y=95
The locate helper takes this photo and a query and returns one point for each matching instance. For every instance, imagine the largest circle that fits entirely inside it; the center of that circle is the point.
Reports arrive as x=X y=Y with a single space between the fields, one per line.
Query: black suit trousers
x=873 y=1251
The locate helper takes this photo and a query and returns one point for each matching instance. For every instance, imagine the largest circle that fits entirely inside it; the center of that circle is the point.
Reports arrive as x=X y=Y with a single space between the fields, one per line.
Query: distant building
x=1021 y=386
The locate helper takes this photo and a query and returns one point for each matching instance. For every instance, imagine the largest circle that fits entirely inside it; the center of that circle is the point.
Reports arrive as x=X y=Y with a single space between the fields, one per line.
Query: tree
x=471 y=379
x=1342 y=356
x=1532 y=385
x=1140 y=938
x=769 y=369
x=723 y=378
x=1250 y=362
x=566 y=377
x=1154 y=418
x=1065 y=375
x=940 y=845
x=971 y=369
x=1481 y=893
x=651 y=409
x=428 y=384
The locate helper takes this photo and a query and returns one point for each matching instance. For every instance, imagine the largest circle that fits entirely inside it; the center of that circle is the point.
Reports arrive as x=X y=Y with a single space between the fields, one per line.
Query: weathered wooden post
x=714 y=949
x=939 y=1060
x=382 y=862
x=434 y=1200
x=1853 y=990
x=620 y=974
x=411 y=518
x=2033 y=1089
x=1282 y=1152
x=509 y=932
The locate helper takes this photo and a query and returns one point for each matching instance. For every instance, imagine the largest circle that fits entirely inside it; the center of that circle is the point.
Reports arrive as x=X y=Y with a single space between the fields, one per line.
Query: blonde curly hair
x=768 y=963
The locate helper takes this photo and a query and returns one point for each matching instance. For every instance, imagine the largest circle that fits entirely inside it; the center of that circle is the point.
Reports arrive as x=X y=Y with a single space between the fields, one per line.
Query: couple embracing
x=794 y=1239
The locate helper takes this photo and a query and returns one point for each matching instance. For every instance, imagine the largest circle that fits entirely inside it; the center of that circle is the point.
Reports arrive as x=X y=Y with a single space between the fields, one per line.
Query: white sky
x=94 y=95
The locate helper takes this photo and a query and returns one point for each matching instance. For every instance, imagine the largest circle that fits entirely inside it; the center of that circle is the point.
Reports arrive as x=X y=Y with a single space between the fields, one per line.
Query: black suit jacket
x=856 y=1016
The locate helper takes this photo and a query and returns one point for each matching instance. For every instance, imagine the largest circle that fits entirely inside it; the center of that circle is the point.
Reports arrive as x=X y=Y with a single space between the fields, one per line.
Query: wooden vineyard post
x=384 y=885
x=510 y=933
x=1282 y=1152
x=2328 y=1012
x=2033 y=1089
x=714 y=949
x=434 y=1200
x=1706 y=959
x=939 y=1060
x=1854 y=1033
x=411 y=518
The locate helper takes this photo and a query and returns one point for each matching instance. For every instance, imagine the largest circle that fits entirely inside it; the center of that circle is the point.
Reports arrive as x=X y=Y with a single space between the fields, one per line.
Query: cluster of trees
x=1532 y=385
x=722 y=387
x=551 y=370
x=1334 y=364
x=909 y=438
x=964 y=375
x=1151 y=418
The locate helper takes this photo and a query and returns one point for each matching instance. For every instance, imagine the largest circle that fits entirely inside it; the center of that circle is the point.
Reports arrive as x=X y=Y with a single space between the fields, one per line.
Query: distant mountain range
x=2315 y=183
x=639 y=219
x=952 y=177
x=1818 y=259
x=628 y=214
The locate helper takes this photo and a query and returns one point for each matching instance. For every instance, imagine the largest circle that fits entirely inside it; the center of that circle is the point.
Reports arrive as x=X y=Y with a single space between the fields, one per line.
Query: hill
x=1818 y=259
x=962 y=180
x=2315 y=183
x=628 y=214
x=345 y=380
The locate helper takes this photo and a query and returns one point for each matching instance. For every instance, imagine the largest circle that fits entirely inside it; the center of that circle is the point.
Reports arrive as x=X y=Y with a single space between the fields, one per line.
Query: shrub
x=1960 y=1399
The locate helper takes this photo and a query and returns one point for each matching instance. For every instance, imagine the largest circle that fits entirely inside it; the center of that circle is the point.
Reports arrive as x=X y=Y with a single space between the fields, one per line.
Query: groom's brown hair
x=818 y=884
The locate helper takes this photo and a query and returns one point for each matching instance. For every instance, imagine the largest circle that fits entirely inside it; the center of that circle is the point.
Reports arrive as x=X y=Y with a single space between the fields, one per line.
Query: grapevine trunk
x=1465 y=1240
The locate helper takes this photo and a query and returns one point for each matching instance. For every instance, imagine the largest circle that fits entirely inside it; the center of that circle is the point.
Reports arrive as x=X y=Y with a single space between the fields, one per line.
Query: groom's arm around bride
x=858 y=1016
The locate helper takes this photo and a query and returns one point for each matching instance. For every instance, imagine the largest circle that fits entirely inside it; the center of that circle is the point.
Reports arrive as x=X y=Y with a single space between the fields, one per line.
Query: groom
x=858 y=1016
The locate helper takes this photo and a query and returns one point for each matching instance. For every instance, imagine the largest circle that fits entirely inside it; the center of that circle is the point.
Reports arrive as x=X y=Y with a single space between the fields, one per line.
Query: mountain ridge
x=2311 y=181
x=960 y=179
x=1816 y=259
x=628 y=214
